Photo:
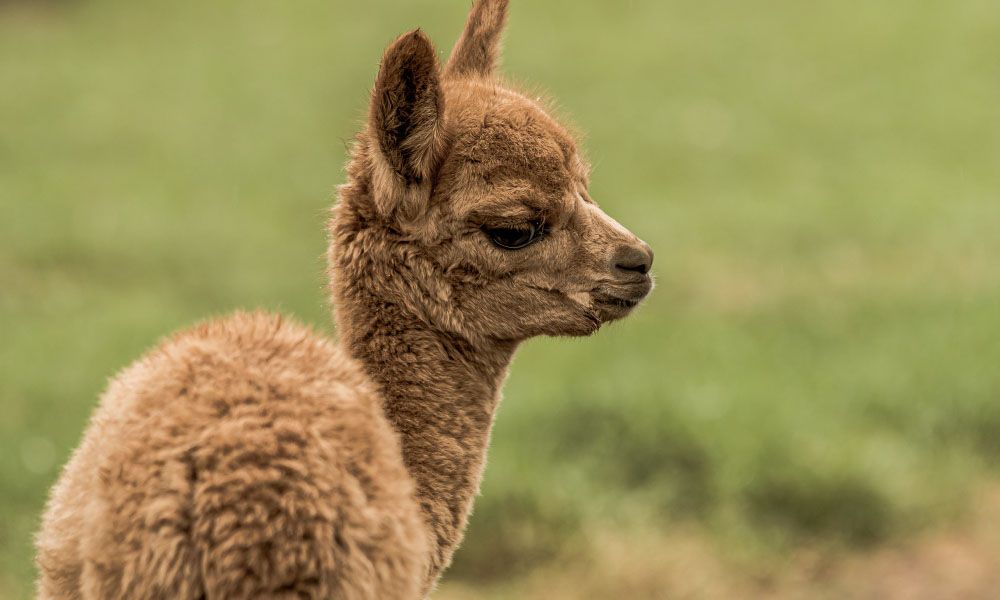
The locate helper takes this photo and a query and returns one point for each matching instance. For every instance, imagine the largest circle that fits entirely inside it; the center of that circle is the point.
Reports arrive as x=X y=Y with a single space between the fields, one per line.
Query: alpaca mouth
x=622 y=303
x=612 y=306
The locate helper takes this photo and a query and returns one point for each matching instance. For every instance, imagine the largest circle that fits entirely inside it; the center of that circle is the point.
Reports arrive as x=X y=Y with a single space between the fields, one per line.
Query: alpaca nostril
x=637 y=259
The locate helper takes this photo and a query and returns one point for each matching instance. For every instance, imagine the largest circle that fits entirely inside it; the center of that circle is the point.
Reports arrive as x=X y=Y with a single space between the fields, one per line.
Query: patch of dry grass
x=960 y=562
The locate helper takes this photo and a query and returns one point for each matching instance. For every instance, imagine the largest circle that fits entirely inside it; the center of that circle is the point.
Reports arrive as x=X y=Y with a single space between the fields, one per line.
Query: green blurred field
x=818 y=370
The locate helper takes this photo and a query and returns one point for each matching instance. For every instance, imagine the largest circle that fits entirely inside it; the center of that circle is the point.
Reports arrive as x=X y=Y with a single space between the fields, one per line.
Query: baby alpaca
x=251 y=458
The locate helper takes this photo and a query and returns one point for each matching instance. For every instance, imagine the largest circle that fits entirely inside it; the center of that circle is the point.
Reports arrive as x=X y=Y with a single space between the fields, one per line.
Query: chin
x=580 y=324
x=590 y=320
x=613 y=310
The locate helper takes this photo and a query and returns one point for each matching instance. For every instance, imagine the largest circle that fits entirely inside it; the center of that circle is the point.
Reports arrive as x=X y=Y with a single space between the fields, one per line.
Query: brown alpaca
x=250 y=457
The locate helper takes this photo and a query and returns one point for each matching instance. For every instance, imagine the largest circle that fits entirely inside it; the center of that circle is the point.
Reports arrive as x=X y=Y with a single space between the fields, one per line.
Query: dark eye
x=515 y=238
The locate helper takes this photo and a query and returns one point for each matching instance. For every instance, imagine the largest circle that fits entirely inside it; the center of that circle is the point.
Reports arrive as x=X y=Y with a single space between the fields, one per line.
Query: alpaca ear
x=477 y=50
x=406 y=120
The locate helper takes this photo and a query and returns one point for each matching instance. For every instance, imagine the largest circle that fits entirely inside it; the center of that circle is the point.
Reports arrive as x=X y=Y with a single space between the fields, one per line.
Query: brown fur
x=249 y=457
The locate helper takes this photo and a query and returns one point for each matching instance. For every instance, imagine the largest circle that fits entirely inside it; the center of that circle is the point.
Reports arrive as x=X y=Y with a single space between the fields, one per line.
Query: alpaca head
x=467 y=203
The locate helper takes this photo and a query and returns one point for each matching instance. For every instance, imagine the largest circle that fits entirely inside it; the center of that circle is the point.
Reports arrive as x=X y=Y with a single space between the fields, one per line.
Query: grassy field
x=816 y=376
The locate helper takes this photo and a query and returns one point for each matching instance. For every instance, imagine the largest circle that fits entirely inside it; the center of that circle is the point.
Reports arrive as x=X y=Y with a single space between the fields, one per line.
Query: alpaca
x=250 y=457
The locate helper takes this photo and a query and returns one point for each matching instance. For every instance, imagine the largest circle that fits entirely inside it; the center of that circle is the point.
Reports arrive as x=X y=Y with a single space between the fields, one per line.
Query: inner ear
x=406 y=116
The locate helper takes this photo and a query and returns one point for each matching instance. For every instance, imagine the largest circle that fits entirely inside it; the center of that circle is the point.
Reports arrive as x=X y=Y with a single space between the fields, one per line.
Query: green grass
x=819 y=363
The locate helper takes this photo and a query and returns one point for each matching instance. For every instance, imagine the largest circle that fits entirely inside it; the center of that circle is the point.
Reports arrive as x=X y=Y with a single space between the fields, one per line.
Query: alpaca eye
x=515 y=238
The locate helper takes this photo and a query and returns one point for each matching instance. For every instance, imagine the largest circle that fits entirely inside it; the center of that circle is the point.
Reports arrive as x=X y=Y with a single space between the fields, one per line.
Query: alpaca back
x=245 y=457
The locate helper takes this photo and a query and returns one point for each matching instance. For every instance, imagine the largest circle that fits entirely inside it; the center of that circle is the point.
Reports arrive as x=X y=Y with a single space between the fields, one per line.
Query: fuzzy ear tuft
x=406 y=115
x=476 y=52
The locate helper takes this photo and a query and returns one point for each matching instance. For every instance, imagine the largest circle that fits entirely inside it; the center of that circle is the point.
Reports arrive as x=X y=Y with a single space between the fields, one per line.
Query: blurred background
x=807 y=407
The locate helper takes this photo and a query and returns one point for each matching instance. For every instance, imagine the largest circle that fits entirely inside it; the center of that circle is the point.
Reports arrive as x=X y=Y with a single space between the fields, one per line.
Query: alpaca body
x=247 y=457
x=250 y=458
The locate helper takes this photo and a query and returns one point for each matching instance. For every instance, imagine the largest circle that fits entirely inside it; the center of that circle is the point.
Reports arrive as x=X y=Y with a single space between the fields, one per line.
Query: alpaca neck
x=440 y=393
